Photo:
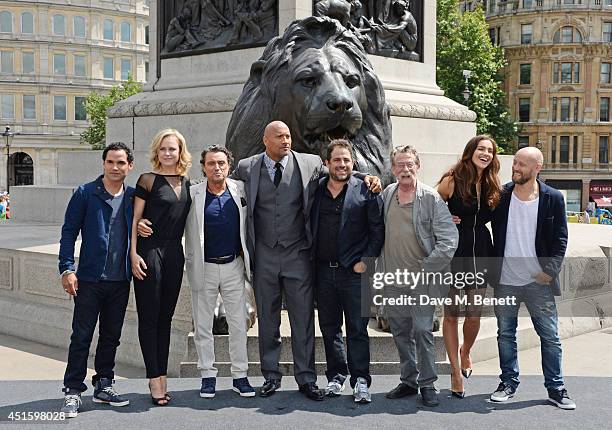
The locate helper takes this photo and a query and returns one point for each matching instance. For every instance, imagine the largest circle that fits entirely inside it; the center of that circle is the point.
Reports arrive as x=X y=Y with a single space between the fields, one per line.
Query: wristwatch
x=66 y=272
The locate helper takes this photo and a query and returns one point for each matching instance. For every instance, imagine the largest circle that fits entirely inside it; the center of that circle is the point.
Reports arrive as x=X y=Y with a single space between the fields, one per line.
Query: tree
x=96 y=106
x=463 y=44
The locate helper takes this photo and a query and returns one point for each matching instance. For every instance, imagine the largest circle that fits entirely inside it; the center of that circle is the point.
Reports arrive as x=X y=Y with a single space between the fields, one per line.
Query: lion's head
x=317 y=79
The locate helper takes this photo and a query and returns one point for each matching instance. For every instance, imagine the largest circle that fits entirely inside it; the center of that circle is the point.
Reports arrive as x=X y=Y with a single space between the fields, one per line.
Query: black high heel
x=458 y=394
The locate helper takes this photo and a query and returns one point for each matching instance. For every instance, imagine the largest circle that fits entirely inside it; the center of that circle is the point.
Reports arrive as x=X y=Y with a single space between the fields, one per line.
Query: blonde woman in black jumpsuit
x=161 y=197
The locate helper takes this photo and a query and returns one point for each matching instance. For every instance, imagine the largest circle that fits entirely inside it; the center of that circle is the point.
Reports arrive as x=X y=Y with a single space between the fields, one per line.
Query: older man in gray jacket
x=424 y=241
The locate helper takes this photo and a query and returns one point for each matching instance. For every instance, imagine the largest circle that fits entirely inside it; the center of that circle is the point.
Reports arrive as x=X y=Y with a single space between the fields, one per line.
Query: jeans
x=338 y=291
x=106 y=300
x=540 y=303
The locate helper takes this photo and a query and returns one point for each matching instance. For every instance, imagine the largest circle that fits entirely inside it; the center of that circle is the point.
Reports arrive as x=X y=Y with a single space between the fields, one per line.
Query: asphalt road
x=289 y=409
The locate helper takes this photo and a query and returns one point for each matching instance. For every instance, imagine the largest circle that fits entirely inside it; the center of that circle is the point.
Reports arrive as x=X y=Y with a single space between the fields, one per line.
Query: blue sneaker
x=208 y=388
x=105 y=393
x=242 y=387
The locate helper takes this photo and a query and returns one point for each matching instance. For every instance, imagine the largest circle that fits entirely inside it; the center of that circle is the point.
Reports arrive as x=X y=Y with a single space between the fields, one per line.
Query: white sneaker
x=335 y=386
x=361 y=393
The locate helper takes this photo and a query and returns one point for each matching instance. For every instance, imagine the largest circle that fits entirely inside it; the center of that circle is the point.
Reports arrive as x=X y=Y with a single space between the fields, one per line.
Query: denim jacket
x=433 y=225
x=89 y=214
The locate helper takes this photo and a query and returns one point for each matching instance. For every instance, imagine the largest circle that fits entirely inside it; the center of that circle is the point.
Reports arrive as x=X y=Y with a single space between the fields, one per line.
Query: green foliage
x=96 y=106
x=463 y=44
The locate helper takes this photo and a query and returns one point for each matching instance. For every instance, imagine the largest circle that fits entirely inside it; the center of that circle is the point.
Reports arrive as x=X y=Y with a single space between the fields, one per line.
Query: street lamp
x=8 y=139
x=466 y=91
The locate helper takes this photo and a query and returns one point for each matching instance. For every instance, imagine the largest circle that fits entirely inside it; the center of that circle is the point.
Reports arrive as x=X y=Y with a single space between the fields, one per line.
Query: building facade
x=52 y=55
x=559 y=88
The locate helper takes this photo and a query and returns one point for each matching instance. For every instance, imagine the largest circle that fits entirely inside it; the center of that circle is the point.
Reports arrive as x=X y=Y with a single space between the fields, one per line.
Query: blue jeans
x=542 y=309
x=339 y=292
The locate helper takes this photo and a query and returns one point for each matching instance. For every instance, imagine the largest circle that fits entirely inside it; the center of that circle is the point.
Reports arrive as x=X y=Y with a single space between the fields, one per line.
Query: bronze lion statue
x=318 y=80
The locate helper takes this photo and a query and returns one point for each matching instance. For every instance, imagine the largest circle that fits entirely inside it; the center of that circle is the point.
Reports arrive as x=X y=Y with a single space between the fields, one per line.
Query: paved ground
x=289 y=409
x=586 y=363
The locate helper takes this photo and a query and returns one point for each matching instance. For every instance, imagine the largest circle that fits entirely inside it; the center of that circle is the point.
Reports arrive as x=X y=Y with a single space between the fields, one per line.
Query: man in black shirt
x=347 y=225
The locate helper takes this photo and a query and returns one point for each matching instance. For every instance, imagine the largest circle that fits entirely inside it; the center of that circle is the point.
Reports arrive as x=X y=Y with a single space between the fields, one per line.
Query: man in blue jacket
x=102 y=212
x=530 y=239
x=348 y=229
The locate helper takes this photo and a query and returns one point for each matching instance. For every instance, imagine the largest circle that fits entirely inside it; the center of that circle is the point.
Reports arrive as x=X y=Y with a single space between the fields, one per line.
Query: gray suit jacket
x=248 y=170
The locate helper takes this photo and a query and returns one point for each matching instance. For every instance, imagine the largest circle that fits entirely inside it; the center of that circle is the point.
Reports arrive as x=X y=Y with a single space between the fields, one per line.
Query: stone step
x=190 y=370
x=382 y=348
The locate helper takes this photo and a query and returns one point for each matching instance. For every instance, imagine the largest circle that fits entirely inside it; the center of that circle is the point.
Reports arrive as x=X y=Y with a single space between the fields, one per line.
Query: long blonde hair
x=184 y=162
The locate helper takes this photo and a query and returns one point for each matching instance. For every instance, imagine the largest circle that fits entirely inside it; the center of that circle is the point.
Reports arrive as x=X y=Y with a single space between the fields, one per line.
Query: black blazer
x=362 y=227
x=551 y=231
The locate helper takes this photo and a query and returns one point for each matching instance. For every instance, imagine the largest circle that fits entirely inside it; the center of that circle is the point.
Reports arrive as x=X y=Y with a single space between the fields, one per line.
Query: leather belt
x=221 y=260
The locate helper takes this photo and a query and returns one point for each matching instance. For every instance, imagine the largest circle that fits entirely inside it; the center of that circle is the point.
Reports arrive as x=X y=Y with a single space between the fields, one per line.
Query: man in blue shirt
x=217 y=261
x=101 y=211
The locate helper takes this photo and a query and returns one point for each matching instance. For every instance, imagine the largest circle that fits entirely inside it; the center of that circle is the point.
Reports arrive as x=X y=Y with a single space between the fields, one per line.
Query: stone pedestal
x=196 y=95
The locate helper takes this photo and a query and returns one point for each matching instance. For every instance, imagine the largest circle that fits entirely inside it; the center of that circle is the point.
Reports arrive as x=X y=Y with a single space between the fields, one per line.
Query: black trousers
x=338 y=294
x=156 y=298
x=105 y=301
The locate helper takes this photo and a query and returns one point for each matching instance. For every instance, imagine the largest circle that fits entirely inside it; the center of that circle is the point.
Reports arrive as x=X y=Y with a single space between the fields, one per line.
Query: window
x=523 y=141
x=554 y=109
x=566 y=73
x=575 y=150
x=604 y=149
x=607 y=32
x=524 y=107
x=6 y=22
x=565 y=109
x=27 y=23
x=59 y=108
x=576 y=108
x=59 y=64
x=27 y=62
x=567 y=34
x=553 y=150
x=146 y=35
x=526 y=34
x=604 y=109
x=29 y=107
x=604 y=73
x=564 y=149
x=126 y=69
x=525 y=74
x=79 y=109
x=108 y=30
x=6 y=62
x=527 y=4
x=146 y=70
x=78 y=23
x=8 y=106
x=59 y=25
x=79 y=65
x=607 y=36
x=126 y=32
x=109 y=68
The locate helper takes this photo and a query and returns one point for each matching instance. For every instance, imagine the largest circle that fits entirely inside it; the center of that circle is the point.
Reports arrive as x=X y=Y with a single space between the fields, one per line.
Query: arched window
x=6 y=22
x=126 y=32
x=27 y=23
x=108 y=30
x=567 y=34
x=59 y=25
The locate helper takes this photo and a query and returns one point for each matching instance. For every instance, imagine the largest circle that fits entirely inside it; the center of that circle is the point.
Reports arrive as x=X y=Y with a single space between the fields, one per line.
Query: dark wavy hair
x=465 y=175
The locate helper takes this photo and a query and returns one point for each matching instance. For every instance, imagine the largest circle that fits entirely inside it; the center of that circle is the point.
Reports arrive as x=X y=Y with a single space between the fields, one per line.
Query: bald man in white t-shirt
x=530 y=239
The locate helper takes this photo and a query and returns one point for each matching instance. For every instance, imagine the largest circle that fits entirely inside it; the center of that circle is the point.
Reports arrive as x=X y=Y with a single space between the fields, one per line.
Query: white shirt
x=520 y=259
x=271 y=165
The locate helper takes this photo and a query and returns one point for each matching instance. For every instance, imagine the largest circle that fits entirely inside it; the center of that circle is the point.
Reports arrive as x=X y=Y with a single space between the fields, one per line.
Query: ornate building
x=559 y=87
x=52 y=55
